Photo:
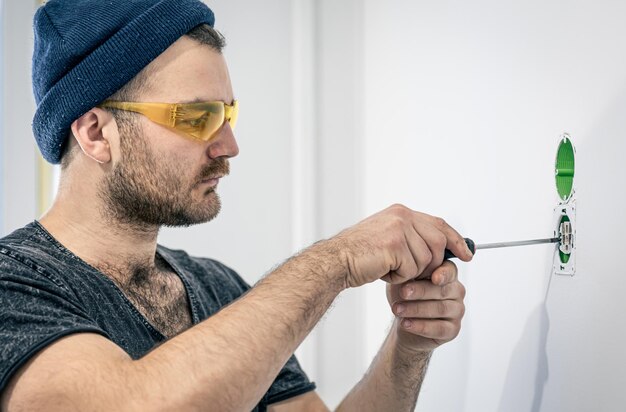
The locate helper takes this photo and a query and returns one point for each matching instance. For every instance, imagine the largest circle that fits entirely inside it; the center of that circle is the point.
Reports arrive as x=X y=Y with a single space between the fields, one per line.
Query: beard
x=144 y=189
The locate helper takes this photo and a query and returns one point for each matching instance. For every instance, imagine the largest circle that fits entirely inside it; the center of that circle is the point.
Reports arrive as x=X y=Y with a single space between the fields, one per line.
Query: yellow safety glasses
x=199 y=121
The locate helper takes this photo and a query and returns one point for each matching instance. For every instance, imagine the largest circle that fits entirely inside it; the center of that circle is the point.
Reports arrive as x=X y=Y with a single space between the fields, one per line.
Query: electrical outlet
x=564 y=223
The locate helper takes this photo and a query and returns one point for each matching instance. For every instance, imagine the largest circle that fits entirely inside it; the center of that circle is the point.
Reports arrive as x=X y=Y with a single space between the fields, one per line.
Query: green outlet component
x=565 y=237
x=564 y=260
x=565 y=168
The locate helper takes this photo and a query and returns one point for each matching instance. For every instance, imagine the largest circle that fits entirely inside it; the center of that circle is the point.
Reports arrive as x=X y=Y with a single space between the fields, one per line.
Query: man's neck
x=99 y=240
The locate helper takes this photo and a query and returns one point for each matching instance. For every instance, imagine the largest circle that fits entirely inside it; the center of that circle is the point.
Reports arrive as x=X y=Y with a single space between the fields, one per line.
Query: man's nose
x=223 y=144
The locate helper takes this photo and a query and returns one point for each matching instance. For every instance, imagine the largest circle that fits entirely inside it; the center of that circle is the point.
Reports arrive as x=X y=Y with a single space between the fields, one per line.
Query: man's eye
x=194 y=123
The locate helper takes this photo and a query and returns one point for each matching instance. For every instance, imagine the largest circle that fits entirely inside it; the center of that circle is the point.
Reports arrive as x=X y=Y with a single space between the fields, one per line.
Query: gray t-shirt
x=47 y=292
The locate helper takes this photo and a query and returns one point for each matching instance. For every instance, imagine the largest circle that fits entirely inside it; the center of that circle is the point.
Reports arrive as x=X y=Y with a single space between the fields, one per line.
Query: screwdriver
x=474 y=247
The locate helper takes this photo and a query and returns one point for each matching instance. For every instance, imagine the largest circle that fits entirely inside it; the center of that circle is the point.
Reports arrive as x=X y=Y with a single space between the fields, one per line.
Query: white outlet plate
x=568 y=209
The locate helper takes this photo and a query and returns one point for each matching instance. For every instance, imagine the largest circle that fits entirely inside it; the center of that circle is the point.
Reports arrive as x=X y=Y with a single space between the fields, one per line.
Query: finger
x=442 y=330
x=426 y=290
x=405 y=268
x=430 y=309
x=436 y=242
x=454 y=241
x=444 y=274
x=420 y=250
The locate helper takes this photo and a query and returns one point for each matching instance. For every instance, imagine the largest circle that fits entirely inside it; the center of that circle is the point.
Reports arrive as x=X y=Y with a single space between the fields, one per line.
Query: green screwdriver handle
x=470 y=244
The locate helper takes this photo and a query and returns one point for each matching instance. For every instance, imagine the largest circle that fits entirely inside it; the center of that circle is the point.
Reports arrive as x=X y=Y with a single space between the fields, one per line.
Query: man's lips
x=211 y=181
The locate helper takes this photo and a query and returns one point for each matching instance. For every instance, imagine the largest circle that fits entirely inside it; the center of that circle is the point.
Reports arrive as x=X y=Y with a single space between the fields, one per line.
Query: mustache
x=218 y=167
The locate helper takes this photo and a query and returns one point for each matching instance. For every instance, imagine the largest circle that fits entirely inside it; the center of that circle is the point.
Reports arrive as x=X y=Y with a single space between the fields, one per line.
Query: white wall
x=17 y=154
x=453 y=108
x=464 y=103
x=584 y=350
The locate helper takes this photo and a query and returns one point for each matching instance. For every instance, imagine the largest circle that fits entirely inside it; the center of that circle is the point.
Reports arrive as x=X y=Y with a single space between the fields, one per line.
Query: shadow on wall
x=584 y=345
x=587 y=339
x=520 y=392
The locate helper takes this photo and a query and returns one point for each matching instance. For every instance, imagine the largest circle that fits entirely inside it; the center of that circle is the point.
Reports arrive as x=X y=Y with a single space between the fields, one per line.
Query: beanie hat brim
x=110 y=66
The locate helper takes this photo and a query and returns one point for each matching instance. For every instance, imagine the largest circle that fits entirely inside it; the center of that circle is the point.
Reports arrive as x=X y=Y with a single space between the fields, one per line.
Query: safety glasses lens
x=233 y=114
x=200 y=121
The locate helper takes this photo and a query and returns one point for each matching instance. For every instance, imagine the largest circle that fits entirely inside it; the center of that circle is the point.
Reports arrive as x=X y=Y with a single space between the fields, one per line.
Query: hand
x=428 y=311
x=396 y=245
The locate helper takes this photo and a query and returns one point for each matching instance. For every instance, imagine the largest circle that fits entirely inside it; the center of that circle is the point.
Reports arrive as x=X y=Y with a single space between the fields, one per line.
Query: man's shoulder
x=20 y=237
x=28 y=246
x=30 y=258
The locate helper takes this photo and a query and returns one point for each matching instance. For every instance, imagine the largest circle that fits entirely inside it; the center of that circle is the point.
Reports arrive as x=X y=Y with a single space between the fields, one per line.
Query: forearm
x=229 y=361
x=392 y=382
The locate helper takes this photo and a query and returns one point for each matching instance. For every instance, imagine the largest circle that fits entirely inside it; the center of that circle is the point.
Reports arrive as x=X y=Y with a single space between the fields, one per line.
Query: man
x=135 y=102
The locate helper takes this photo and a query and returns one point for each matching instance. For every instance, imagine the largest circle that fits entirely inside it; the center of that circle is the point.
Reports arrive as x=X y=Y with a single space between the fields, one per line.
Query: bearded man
x=135 y=102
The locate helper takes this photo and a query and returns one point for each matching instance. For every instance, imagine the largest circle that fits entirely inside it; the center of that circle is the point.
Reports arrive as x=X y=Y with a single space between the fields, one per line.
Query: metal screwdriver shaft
x=518 y=243
x=474 y=247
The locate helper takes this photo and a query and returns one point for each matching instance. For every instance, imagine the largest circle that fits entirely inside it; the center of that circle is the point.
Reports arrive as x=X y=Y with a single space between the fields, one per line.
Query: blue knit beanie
x=86 y=50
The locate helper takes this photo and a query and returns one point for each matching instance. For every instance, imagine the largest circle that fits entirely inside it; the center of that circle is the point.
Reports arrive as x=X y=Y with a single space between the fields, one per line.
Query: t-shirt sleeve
x=36 y=309
x=291 y=380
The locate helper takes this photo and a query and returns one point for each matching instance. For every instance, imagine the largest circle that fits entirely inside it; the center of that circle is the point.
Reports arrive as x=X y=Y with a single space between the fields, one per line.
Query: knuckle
x=411 y=311
x=442 y=329
x=443 y=308
x=396 y=223
x=440 y=223
x=445 y=291
x=420 y=290
x=455 y=328
x=426 y=257
x=420 y=328
x=402 y=212
x=453 y=290
x=407 y=270
x=440 y=241
x=462 y=290
x=399 y=222
x=398 y=208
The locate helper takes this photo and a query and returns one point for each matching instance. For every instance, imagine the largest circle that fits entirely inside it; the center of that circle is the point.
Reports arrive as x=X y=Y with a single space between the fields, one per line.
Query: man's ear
x=94 y=132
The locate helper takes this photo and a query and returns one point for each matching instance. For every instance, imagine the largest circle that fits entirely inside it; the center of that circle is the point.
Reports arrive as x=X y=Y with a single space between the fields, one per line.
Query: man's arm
x=392 y=383
x=430 y=315
x=229 y=361
x=225 y=363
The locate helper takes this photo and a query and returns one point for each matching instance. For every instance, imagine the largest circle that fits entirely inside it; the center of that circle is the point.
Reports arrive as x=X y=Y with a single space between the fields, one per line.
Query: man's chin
x=200 y=214
x=189 y=221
